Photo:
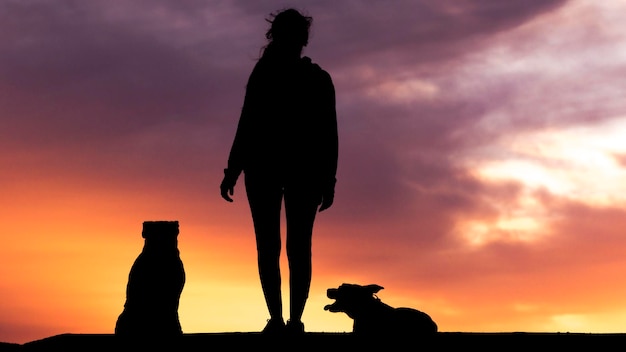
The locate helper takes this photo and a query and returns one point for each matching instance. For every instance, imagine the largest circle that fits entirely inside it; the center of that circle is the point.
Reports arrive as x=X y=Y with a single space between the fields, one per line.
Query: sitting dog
x=372 y=317
x=155 y=283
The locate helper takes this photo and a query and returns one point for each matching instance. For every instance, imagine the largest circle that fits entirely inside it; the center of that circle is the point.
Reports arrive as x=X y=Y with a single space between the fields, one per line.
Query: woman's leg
x=265 y=198
x=300 y=209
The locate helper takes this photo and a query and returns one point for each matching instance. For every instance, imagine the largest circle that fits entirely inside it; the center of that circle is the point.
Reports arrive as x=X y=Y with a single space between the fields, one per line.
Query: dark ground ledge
x=329 y=342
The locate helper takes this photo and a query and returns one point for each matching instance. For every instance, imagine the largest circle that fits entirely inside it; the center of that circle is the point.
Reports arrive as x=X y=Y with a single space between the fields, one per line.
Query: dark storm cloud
x=103 y=68
x=378 y=45
x=99 y=79
x=409 y=32
x=95 y=70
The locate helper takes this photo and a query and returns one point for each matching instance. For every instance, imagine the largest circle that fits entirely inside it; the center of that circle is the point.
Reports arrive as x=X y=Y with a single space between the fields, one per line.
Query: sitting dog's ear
x=373 y=288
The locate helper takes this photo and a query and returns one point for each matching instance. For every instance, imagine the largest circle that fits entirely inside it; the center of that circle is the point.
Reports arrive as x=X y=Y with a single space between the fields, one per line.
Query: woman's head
x=289 y=28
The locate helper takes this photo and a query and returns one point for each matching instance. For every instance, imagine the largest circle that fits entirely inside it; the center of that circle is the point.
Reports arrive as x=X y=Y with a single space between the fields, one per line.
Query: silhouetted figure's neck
x=282 y=52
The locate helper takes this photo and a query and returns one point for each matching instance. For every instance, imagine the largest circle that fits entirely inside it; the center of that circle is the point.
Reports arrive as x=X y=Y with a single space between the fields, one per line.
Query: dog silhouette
x=155 y=283
x=372 y=317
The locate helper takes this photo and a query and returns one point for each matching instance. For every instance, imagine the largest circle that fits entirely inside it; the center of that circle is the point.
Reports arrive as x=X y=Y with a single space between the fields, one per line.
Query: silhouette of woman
x=286 y=144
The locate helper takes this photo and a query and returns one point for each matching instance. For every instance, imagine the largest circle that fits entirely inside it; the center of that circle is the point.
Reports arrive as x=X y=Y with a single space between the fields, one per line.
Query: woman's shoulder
x=307 y=62
x=315 y=68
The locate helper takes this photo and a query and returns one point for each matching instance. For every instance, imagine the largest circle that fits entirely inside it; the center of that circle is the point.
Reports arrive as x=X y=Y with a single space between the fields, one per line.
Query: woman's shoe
x=294 y=327
x=274 y=327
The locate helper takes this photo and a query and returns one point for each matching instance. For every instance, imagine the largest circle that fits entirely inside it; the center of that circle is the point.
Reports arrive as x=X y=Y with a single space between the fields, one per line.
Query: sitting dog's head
x=351 y=298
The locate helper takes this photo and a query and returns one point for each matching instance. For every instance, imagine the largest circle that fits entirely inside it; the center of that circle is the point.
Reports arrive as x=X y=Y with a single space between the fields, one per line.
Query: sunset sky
x=482 y=160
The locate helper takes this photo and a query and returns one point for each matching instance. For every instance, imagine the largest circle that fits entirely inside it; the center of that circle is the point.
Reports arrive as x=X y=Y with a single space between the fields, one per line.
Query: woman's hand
x=227 y=187
x=328 y=196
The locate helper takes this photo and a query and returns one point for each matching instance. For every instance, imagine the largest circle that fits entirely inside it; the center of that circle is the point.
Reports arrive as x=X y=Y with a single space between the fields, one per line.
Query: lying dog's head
x=350 y=298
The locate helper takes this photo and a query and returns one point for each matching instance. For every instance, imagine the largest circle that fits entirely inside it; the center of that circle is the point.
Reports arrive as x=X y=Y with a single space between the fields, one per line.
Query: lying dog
x=373 y=317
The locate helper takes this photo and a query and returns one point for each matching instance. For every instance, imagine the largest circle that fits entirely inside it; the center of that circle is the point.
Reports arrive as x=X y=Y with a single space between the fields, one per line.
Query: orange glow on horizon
x=222 y=292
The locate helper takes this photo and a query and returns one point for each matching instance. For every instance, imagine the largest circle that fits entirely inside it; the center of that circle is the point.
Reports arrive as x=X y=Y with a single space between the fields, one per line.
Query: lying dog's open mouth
x=332 y=294
x=332 y=308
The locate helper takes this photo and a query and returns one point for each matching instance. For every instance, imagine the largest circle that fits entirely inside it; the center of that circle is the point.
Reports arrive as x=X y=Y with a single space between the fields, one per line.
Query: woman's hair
x=289 y=27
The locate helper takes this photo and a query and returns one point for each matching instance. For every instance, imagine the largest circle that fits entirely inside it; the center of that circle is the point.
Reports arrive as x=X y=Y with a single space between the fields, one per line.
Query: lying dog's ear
x=373 y=288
